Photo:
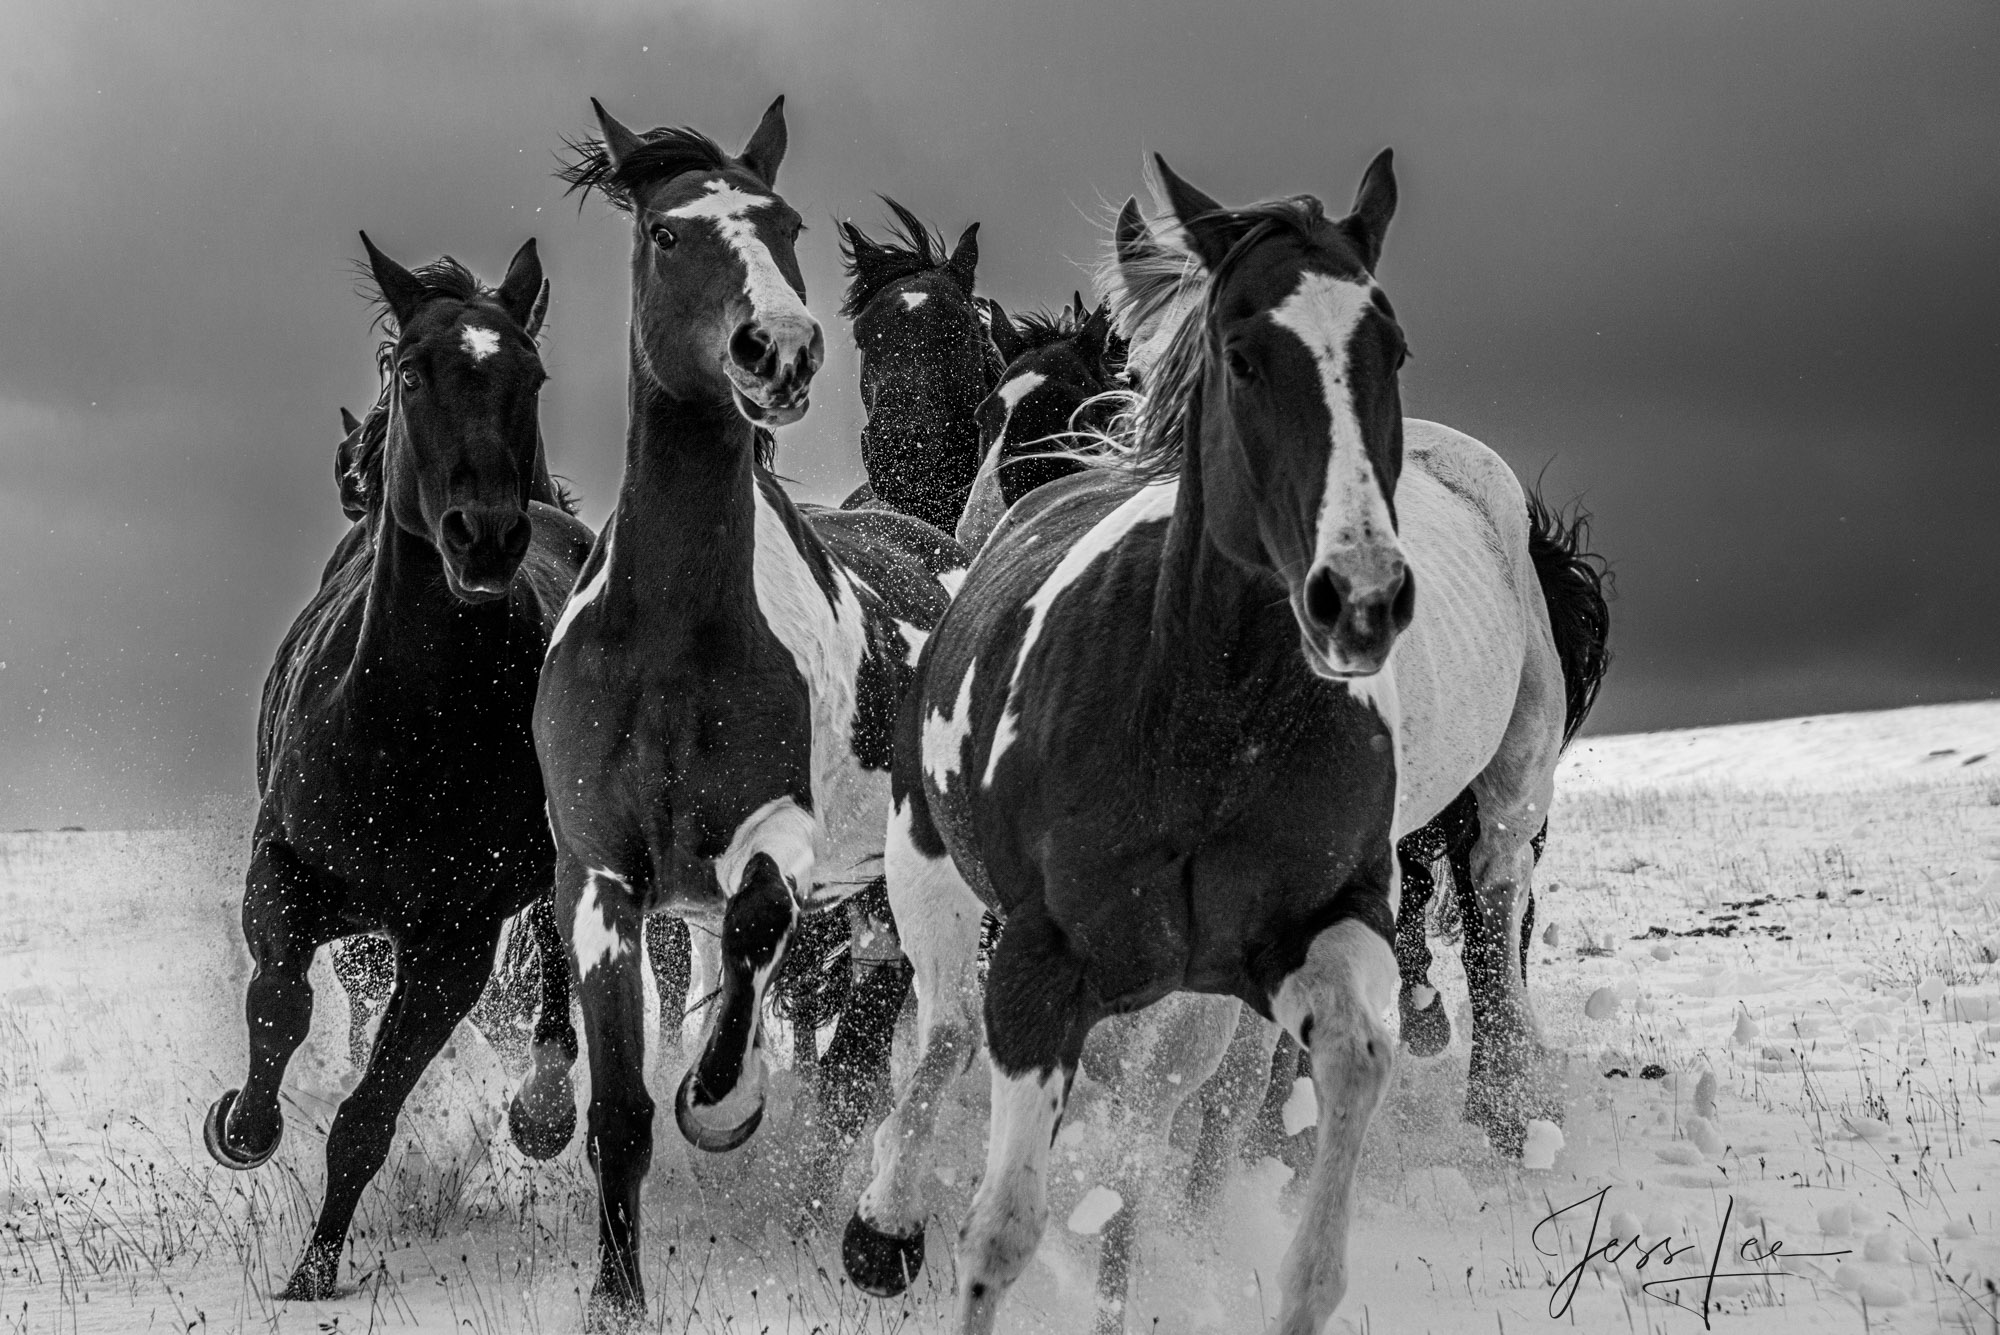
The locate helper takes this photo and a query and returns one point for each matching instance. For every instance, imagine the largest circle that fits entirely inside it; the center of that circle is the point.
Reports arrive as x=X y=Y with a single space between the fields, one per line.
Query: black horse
x=400 y=792
x=926 y=363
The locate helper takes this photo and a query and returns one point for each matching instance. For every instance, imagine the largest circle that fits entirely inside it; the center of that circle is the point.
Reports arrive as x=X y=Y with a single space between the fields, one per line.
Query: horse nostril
x=1326 y=593
x=1403 y=606
x=751 y=348
x=519 y=533
x=455 y=530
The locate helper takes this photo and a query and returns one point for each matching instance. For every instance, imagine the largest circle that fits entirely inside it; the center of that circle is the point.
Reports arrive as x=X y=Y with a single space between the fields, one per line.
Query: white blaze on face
x=479 y=343
x=1355 y=534
x=729 y=208
x=594 y=935
x=912 y=300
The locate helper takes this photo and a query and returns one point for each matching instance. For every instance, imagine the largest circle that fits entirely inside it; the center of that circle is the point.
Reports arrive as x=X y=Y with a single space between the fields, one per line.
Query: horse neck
x=1222 y=663
x=414 y=632
x=685 y=520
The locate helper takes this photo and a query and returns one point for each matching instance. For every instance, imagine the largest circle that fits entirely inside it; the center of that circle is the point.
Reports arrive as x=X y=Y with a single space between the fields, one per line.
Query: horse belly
x=1458 y=667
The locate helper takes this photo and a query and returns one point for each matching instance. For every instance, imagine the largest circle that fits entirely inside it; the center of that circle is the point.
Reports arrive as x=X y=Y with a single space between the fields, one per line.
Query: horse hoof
x=215 y=1134
x=610 y=1312
x=1426 y=1032
x=313 y=1281
x=539 y=1138
x=880 y=1263
x=715 y=1140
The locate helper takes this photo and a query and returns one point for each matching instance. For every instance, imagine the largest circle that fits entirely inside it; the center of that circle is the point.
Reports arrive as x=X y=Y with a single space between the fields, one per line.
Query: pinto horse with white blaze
x=716 y=711
x=1063 y=382
x=400 y=790
x=1153 y=734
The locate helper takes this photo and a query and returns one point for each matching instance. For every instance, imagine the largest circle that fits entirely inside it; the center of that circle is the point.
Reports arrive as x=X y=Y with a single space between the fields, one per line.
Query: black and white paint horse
x=1153 y=733
x=716 y=711
x=926 y=363
x=400 y=791
x=1063 y=382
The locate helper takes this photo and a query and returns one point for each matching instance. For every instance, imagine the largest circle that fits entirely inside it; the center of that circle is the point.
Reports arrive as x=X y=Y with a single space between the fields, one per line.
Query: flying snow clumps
x=1301 y=1107
x=1603 y=1004
x=1094 y=1211
x=1544 y=1139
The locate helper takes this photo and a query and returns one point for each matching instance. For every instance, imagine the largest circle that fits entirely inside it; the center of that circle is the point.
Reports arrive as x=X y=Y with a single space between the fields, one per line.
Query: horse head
x=1287 y=374
x=718 y=302
x=458 y=455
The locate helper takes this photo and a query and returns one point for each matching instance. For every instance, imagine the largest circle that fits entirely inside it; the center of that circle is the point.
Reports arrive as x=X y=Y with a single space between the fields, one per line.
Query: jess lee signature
x=1615 y=1249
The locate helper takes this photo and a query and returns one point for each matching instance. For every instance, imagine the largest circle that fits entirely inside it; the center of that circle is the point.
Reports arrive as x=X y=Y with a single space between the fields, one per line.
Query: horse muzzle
x=481 y=547
x=771 y=365
x=1347 y=632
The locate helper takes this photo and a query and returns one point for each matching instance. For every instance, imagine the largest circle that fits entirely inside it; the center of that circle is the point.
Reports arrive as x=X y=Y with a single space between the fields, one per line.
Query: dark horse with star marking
x=715 y=714
x=400 y=789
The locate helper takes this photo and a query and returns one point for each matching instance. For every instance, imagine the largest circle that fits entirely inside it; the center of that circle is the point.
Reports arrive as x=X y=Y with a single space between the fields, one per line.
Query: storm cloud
x=1727 y=273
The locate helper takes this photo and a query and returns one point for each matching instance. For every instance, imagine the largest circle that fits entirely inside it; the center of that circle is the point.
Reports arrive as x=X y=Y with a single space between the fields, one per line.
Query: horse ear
x=348 y=426
x=766 y=148
x=1128 y=235
x=619 y=142
x=521 y=290
x=537 y=313
x=1374 y=206
x=964 y=258
x=1077 y=313
x=1007 y=340
x=1209 y=228
x=401 y=290
x=1094 y=334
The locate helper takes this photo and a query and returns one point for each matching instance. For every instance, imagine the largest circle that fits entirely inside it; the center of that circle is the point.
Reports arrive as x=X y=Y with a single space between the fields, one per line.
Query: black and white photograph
x=1090 y=667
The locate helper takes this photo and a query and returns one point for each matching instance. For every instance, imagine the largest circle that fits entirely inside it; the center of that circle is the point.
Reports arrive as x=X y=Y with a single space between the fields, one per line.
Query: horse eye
x=409 y=378
x=663 y=236
x=1239 y=366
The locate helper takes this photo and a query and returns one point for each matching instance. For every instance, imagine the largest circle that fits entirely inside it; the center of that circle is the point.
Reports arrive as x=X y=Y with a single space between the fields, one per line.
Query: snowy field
x=1769 y=957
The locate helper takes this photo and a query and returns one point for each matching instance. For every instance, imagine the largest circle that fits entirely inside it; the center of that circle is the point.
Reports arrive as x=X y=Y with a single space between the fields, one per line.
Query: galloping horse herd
x=1172 y=708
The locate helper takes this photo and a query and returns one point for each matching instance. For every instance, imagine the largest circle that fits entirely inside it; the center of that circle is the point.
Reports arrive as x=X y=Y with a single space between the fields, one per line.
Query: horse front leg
x=1334 y=1006
x=937 y=919
x=287 y=912
x=603 y=926
x=720 y=1101
x=1039 y=1010
x=542 y=1115
x=365 y=967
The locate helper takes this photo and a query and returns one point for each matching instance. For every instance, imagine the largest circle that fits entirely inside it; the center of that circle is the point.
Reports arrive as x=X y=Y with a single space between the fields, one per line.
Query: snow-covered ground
x=1786 y=932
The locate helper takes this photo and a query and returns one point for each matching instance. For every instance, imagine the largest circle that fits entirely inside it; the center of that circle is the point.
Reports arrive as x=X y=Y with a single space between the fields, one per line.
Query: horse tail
x=1574 y=584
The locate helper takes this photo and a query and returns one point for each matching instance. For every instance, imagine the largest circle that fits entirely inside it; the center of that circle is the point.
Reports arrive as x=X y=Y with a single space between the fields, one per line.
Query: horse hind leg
x=437 y=983
x=938 y=920
x=1334 y=1006
x=1039 y=1010
x=365 y=967
x=1426 y=1028
x=542 y=1114
x=286 y=915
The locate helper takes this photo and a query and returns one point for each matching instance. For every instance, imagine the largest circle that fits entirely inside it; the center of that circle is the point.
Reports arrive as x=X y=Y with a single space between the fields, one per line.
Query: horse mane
x=1148 y=439
x=663 y=153
x=1040 y=329
x=913 y=248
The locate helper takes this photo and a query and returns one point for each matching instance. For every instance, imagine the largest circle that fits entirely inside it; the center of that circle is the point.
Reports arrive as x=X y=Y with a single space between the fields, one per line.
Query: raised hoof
x=1426 y=1032
x=215 y=1134
x=880 y=1263
x=541 y=1138
x=715 y=1140
x=313 y=1281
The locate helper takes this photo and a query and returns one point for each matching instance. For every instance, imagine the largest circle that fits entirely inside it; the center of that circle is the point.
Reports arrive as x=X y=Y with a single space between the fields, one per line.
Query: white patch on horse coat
x=1152 y=503
x=914 y=639
x=912 y=300
x=1354 y=517
x=594 y=935
x=827 y=646
x=727 y=207
x=479 y=343
x=943 y=745
x=781 y=828
x=584 y=596
x=1020 y=387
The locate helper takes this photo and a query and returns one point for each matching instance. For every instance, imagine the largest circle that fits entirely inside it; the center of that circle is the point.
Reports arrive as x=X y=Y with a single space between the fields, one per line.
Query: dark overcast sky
x=1726 y=271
